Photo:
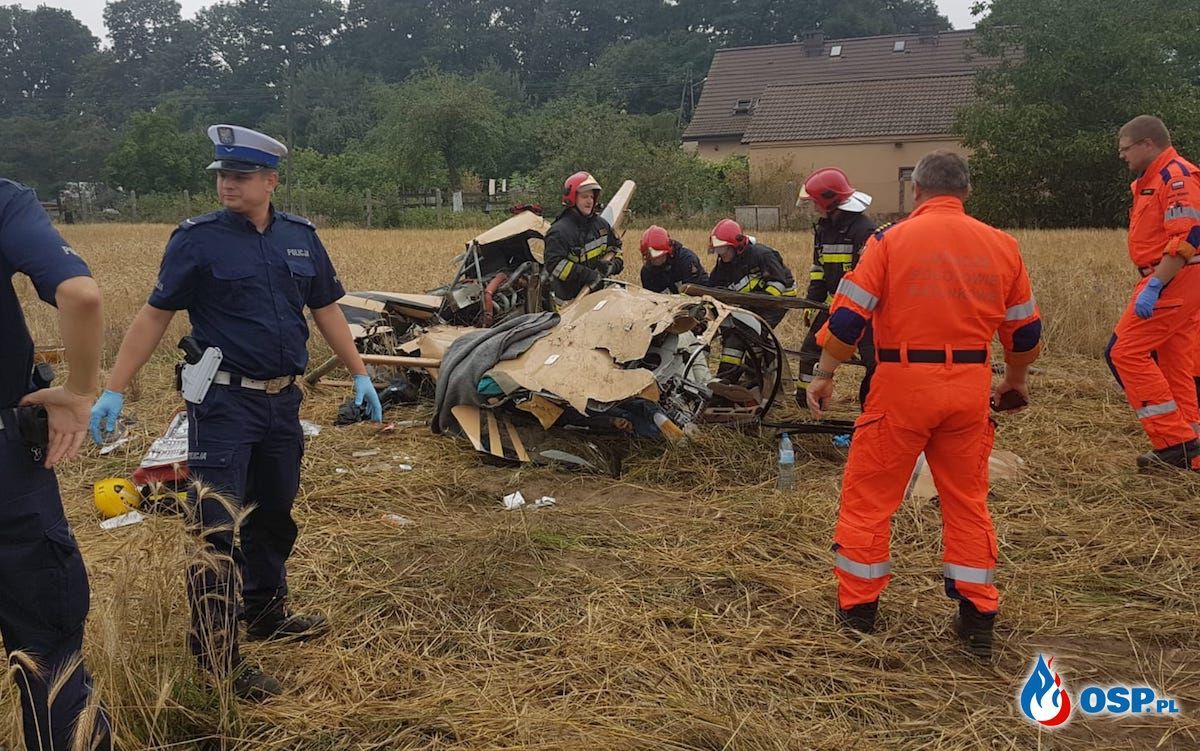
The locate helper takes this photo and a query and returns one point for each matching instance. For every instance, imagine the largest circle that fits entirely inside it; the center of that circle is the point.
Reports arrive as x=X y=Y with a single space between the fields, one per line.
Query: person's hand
x=819 y=392
x=604 y=267
x=106 y=409
x=67 y=414
x=807 y=316
x=1143 y=306
x=596 y=282
x=1006 y=386
x=365 y=389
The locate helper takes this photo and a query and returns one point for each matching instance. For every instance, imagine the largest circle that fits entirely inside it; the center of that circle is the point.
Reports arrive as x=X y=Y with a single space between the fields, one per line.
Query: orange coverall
x=1156 y=359
x=938 y=286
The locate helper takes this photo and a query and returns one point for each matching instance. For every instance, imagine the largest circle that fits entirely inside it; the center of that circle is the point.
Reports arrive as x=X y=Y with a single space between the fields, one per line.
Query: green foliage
x=155 y=156
x=436 y=126
x=42 y=54
x=46 y=154
x=647 y=75
x=1044 y=132
x=577 y=135
x=384 y=96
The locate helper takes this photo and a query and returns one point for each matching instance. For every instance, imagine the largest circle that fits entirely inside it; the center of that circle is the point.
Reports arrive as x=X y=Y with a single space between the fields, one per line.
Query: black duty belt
x=957 y=356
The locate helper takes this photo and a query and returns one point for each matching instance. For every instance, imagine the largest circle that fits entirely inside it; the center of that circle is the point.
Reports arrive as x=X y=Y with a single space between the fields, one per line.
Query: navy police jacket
x=246 y=291
x=29 y=244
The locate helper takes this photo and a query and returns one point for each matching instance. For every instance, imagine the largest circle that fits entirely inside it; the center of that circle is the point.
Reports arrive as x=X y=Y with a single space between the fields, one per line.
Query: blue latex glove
x=107 y=408
x=1148 y=297
x=364 y=389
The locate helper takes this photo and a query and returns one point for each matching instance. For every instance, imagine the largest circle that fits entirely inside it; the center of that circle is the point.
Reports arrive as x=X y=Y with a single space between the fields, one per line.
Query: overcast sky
x=91 y=12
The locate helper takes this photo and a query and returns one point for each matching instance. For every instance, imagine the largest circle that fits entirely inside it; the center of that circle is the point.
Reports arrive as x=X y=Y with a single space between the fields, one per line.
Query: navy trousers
x=244 y=451
x=44 y=600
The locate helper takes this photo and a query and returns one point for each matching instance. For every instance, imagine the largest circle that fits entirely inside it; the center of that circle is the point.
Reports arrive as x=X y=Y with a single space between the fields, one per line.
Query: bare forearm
x=828 y=362
x=1016 y=374
x=142 y=338
x=331 y=322
x=1169 y=267
x=81 y=327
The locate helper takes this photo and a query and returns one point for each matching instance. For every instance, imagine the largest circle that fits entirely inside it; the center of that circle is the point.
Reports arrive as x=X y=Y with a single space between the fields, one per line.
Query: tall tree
x=387 y=39
x=46 y=154
x=260 y=44
x=437 y=126
x=41 y=54
x=156 y=156
x=154 y=50
x=1044 y=128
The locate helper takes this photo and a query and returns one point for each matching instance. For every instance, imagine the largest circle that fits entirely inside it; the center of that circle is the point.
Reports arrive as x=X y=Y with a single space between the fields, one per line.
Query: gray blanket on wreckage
x=474 y=354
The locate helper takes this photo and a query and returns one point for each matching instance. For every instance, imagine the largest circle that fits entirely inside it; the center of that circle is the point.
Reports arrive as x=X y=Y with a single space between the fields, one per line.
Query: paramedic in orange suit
x=1153 y=351
x=936 y=287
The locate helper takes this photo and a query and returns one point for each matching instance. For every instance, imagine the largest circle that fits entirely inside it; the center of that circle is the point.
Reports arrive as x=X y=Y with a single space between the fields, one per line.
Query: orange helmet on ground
x=656 y=242
x=577 y=182
x=727 y=232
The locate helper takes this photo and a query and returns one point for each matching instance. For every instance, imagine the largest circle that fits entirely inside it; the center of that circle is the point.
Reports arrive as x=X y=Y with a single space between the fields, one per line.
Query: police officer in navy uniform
x=44 y=594
x=581 y=248
x=245 y=275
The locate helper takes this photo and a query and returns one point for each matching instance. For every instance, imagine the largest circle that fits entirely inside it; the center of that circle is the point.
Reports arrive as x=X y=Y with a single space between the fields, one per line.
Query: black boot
x=975 y=629
x=252 y=684
x=277 y=624
x=859 y=617
x=1180 y=456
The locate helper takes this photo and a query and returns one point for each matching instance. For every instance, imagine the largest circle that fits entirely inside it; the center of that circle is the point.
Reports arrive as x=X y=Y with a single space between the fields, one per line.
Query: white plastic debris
x=600 y=304
x=124 y=520
x=364 y=454
x=398 y=521
x=405 y=468
x=551 y=360
x=108 y=448
x=310 y=428
x=515 y=501
x=340 y=471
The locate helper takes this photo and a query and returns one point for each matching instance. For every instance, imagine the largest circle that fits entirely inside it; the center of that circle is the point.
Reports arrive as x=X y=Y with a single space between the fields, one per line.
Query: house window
x=835 y=50
x=906 y=189
x=742 y=106
x=898 y=46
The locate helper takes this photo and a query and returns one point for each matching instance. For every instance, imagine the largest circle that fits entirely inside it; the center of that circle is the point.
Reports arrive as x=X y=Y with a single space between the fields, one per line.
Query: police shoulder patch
x=297 y=219
x=196 y=221
x=1177 y=185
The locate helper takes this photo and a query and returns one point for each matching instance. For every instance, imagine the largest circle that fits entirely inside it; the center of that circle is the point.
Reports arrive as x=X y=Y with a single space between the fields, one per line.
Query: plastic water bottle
x=787 y=464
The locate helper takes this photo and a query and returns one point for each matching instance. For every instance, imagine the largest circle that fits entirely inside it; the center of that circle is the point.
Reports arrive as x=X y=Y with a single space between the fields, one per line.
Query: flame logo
x=1044 y=700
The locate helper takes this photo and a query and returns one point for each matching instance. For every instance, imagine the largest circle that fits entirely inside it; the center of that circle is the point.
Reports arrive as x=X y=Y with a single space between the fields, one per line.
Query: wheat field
x=686 y=605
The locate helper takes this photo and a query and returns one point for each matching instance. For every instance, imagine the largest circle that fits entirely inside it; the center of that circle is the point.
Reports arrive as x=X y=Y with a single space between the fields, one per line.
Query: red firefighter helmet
x=727 y=232
x=828 y=187
x=656 y=242
x=577 y=182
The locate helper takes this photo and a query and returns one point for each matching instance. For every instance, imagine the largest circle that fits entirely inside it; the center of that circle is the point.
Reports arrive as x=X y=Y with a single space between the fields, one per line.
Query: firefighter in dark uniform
x=745 y=265
x=838 y=239
x=245 y=275
x=44 y=594
x=666 y=263
x=581 y=249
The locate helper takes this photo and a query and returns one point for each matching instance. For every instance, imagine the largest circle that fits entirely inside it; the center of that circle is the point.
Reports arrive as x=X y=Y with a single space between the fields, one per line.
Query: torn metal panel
x=579 y=360
x=614 y=212
x=523 y=223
